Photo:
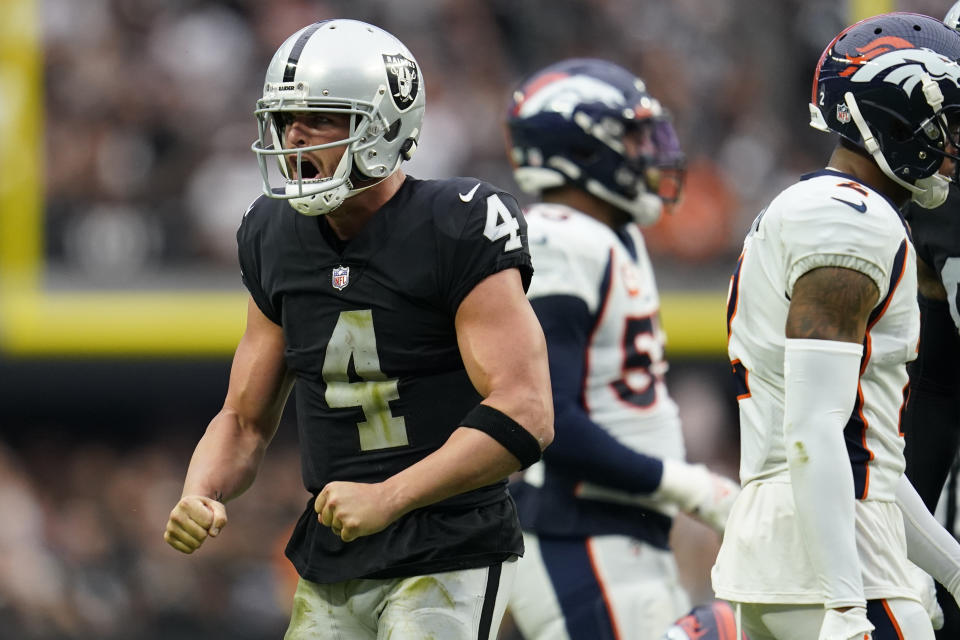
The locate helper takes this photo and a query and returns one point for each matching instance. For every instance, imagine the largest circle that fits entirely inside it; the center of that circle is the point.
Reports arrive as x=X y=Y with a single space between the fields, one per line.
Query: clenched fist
x=192 y=520
x=353 y=509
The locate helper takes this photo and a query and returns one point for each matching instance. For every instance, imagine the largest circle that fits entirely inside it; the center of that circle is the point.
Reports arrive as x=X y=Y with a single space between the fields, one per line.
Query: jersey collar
x=846 y=176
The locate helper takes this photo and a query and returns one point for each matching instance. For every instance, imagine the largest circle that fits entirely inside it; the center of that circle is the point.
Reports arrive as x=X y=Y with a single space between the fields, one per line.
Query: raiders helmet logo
x=404 y=80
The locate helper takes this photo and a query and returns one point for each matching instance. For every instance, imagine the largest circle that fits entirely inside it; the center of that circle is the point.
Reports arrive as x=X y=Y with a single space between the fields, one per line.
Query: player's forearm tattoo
x=831 y=303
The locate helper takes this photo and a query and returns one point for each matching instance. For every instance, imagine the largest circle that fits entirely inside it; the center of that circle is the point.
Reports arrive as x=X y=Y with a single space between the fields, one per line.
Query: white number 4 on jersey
x=495 y=229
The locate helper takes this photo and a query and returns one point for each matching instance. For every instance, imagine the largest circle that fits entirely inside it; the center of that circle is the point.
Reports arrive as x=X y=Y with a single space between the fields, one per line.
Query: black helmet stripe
x=291 y=69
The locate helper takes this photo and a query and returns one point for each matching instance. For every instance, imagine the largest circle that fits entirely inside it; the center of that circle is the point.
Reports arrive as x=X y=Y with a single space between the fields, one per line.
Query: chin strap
x=929 y=192
x=645 y=209
x=321 y=202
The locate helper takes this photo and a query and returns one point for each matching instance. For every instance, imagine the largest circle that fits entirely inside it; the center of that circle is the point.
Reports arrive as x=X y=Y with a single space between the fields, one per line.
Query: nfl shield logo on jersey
x=340 y=277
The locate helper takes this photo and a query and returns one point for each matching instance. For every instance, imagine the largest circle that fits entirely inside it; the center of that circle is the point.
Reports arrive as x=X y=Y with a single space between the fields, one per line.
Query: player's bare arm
x=504 y=352
x=226 y=460
x=831 y=303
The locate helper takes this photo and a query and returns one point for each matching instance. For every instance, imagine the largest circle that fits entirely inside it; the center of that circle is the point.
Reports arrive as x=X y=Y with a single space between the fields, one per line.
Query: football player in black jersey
x=398 y=308
x=931 y=421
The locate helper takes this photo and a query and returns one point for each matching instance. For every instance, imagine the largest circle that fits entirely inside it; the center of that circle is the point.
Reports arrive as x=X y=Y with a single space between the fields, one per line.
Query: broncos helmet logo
x=906 y=67
x=565 y=93
x=872 y=50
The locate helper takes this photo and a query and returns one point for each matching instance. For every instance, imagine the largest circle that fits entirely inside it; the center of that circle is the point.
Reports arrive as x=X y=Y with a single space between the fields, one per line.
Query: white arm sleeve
x=821 y=378
x=929 y=545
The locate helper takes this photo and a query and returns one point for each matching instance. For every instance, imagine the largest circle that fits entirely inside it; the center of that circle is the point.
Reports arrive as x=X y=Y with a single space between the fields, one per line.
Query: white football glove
x=705 y=495
x=851 y=624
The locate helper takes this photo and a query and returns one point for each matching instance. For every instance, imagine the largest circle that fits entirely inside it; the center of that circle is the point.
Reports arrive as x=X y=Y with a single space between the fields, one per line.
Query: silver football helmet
x=952 y=19
x=342 y=67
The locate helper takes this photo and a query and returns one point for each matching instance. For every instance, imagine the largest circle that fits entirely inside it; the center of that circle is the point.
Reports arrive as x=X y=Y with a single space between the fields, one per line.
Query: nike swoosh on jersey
x=861 y=207
x=468 y=196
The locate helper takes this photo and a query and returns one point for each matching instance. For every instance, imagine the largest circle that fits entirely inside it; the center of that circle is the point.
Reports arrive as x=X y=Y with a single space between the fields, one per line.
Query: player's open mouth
x=307 y=169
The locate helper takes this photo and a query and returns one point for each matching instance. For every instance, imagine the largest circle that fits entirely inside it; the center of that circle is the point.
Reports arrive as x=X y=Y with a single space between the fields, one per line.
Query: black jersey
x=936 y=236
x=380 y=383
x=931 y=421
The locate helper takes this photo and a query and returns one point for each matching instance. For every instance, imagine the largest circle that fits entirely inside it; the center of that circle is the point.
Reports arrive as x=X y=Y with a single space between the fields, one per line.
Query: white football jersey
x=828 y=219
x=623 y=387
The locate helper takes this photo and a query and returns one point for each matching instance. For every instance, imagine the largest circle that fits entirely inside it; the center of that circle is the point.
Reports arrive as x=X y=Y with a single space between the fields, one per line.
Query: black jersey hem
x=459 y=564
x=415 y=568
x=423 y=568
x=427 y=540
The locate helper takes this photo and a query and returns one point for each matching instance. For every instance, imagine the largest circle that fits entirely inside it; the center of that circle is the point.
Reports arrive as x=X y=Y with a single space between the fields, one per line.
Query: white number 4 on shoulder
x=501 y=223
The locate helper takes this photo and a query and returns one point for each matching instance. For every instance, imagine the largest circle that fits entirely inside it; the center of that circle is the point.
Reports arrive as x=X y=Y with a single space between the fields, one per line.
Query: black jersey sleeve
x=250 y=254
x=936 y=236
x=483 y=232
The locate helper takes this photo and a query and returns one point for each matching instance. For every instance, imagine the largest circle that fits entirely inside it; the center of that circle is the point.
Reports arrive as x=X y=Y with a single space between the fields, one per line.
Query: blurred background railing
x=125 y=128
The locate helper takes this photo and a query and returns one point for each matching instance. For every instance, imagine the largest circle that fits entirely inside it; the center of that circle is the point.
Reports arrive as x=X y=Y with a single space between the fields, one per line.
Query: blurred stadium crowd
x=81 y=552
x=148 y=116
x=149 y=109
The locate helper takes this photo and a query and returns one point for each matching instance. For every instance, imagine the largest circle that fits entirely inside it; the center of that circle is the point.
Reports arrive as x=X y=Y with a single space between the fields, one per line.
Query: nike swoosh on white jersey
x=468 y=196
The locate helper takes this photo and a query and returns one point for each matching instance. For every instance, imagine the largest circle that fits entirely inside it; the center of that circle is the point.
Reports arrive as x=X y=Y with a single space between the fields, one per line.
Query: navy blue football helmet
x=592 y=124
x=712 y=621
x=890 y=84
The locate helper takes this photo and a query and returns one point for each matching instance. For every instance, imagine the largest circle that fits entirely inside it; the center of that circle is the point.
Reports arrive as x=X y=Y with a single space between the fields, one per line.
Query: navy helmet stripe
x=291 y=70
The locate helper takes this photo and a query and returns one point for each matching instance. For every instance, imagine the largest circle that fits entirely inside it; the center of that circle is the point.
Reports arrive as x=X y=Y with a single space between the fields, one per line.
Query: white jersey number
x=495 y=229
x=353 y=339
